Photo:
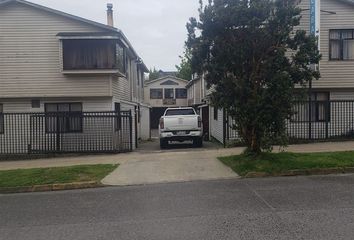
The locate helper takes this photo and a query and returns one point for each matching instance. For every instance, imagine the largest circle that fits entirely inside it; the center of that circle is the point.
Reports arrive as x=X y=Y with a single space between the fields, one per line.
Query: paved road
x=319 y=207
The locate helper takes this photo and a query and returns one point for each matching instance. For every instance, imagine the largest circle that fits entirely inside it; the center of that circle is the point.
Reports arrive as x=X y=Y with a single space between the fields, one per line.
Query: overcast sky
x=155 y=28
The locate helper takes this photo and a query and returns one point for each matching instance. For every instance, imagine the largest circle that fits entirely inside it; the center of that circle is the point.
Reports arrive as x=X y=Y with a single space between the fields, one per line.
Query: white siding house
x=51 y=57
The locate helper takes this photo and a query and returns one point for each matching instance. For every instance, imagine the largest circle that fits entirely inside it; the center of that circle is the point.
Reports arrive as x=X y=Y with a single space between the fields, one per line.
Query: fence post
x=327 y=112
x=57 y=133
x=131 y=130
x=310 y=111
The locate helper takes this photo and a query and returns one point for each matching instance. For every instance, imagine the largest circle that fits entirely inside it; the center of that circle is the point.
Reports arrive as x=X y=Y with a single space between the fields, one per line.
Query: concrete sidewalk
x=160 y=155
x=166 y=166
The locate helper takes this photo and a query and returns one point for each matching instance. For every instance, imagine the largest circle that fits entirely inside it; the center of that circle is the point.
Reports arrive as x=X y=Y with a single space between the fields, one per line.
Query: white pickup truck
x=180 y=124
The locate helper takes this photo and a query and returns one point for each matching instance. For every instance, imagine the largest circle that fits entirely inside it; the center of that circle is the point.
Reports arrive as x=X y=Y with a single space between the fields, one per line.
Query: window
x=90 y=54
x=320 y=109
x=63 y=117
x=341 y=44
x=181 y=93
x=173 y=112
x=169 y=93
x=2 y=121
x=120 y=58
x=36 y=103
x=156 y=93
x=215 y=113
x=118 y=122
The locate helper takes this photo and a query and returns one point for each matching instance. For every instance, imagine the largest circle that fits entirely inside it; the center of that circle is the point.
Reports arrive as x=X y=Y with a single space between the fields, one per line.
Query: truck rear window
x=173 y=112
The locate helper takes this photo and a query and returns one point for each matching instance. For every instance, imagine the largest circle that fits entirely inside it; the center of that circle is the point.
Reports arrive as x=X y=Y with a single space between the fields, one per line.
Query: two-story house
x=332 y=109
x=51 y=61
x=164 y=92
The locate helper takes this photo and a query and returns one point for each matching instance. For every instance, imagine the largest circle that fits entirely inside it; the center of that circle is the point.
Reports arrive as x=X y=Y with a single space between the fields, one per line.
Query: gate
x=65 y=132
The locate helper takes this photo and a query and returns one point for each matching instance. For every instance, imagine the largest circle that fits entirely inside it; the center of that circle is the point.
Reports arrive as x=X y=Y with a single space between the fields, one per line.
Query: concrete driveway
x=181 y=162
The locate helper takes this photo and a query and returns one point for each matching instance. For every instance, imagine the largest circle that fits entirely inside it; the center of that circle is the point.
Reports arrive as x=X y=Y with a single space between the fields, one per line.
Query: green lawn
x=42 y=176
x=275 y=163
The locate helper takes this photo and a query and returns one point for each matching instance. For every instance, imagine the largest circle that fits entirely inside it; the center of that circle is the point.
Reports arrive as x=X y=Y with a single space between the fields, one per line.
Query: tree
x=185 y=68
x=153 y=74
x=251 y=53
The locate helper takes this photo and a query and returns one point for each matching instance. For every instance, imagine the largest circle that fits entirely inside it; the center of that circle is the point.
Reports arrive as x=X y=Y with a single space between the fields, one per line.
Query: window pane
x=347 y=34
x=120 y=58
x=88 y=54
x=335 y=49
x=156 y=93
x=334 y=34
x=51 y=107
x=169 y=93
x=181 y=93
x=63 y=107
x=76 y=107
x=322 y=96
x=173 y=112
x=348 y=49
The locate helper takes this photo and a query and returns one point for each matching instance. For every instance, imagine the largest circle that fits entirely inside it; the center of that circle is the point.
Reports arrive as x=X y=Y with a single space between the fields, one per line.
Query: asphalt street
x=317 y=207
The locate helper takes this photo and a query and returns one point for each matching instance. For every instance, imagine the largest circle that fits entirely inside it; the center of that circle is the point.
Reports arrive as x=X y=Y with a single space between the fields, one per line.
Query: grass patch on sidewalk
x=43 y=176
x=276 y=163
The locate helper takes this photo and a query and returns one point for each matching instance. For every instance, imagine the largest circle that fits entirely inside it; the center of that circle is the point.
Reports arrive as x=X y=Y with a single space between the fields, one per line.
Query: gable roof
x=60 y=13
x=164 y=78
x=80 y=19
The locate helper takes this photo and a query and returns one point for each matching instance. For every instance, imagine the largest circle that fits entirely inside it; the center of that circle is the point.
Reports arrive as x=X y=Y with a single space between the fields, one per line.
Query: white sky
x=155 y=28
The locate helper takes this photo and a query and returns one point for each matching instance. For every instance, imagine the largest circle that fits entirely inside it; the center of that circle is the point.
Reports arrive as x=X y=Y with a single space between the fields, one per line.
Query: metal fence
x=65 y=132
x=312 y=121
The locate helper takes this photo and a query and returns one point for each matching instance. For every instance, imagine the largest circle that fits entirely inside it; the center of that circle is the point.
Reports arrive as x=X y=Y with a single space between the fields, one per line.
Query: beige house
x=54 y=61
x=164 y=92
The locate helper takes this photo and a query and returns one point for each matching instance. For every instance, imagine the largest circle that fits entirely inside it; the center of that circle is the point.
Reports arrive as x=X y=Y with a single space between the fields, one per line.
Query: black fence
x=64 y=132
x=312 y=121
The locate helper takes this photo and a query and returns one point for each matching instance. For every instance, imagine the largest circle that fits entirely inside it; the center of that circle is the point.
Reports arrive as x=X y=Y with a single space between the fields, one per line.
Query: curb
x=304 y=172
x=52 y=187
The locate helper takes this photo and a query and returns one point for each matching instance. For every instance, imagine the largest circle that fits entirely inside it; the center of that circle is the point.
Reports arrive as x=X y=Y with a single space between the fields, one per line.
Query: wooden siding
x=30 y=56
x=217 y=126
x=88 y=104
x=120 y=88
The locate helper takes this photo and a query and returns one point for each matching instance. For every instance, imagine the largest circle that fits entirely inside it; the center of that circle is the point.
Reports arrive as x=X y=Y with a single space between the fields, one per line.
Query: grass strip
x=276 y=163
x=43 y=176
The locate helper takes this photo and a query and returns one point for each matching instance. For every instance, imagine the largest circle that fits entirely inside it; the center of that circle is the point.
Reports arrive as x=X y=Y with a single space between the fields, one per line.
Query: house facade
x=164 y=92
x=51 y=61
x=332 y=109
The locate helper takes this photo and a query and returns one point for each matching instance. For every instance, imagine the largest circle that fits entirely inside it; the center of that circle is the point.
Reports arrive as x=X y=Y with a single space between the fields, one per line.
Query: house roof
x=80 y=19
x=191 y=82
x=67 y=15
x=165 y=78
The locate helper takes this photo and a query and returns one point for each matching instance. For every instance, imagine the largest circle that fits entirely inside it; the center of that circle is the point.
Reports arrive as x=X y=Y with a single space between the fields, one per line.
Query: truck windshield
x=173 y=112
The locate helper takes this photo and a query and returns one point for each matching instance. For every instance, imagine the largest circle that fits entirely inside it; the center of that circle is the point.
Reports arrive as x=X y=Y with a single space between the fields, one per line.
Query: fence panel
x=64 y=132
x=322 y=121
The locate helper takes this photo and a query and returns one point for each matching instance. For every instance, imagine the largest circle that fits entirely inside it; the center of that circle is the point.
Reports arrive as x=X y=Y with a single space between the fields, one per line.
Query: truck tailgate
x=185 y=122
